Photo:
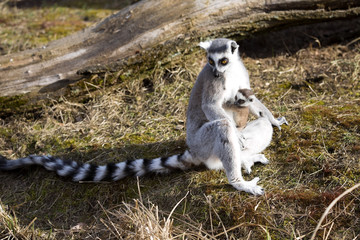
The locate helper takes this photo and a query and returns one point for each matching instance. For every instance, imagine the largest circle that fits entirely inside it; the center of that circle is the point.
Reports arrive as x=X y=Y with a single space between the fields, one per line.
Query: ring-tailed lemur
x=240 y=107
x=243 y=102
x=212 y=136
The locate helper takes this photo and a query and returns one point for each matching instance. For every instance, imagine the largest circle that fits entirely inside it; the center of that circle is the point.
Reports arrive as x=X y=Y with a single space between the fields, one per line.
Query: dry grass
x=145 y=221
x=24 y=26
x=140 y=112
x=328 y=209
x=11 y=228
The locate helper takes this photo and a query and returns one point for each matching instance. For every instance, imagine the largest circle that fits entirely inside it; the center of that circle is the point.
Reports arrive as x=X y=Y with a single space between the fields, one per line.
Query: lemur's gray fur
x=212 y=136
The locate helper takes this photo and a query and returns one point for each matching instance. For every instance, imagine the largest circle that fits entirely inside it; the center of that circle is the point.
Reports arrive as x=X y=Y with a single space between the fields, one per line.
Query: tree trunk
x=134 y=32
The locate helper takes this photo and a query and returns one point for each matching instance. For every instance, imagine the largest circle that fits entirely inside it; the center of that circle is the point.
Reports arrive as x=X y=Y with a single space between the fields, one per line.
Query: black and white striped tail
x=95 y=173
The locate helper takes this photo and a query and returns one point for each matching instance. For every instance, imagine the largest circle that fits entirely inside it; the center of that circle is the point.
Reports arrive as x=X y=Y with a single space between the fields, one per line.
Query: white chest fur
x=236 y=77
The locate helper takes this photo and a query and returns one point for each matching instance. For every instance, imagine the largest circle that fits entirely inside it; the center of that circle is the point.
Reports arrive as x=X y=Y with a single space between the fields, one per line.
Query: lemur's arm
x=212 y=101
x=259 y=110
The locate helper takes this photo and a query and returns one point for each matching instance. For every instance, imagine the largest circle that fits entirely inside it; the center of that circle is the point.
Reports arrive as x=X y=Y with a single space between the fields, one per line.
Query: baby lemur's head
x=221 y=52
x=244 y=97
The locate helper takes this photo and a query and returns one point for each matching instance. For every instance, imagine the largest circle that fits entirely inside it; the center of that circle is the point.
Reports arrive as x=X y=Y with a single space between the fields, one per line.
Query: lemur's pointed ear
x=233 y=46
x=205 y=45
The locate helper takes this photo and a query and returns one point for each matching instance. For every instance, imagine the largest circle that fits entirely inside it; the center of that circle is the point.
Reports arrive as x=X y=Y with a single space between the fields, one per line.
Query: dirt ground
x=141 y=114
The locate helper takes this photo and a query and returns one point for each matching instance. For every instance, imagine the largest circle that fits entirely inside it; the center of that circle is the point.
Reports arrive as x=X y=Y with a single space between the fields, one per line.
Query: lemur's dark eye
x=224 y=61
x=211 y=62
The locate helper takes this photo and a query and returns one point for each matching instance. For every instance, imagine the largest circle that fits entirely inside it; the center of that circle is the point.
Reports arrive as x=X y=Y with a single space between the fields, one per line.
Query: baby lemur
x=241 y=105
x=212 y=136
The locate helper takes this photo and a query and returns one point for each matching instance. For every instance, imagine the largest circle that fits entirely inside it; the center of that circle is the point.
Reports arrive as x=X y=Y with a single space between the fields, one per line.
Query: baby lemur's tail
x=109 y=172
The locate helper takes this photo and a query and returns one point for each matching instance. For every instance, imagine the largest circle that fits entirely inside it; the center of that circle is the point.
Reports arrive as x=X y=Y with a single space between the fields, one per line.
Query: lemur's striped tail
x=109 y=172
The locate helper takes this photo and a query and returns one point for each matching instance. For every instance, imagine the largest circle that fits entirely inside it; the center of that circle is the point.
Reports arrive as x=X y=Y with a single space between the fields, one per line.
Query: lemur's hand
x=280 y=121
x=242 y=140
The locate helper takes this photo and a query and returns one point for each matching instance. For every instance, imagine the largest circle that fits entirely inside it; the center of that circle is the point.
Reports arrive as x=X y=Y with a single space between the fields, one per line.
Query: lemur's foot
x=282 y=120
x=249 y=186
x=248 y=163
x=247 y=166
x=262 y=159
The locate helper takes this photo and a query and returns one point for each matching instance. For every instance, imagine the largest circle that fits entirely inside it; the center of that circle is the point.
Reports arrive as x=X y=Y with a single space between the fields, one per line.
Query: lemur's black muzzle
x=240 y=101
x=216 y=73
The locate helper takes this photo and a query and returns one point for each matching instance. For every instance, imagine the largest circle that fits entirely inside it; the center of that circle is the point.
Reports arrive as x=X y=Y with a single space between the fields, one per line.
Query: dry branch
x=137 y=30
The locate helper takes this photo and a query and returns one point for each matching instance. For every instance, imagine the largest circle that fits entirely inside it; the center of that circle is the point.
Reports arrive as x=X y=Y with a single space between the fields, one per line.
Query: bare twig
x=332 y=204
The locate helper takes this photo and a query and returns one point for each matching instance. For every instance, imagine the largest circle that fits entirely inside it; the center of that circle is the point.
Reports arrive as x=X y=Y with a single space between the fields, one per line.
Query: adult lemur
x=212 y=136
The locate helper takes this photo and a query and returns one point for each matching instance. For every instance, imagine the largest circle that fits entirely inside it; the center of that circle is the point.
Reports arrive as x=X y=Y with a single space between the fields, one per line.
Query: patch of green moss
x=48 y=22
x=285 y=85
x=136 y=138
x=350 y=138
x=11 y=104
x=6 y=132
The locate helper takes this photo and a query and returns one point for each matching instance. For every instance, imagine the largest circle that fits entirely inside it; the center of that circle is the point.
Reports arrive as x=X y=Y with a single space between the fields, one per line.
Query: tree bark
x=135 y=32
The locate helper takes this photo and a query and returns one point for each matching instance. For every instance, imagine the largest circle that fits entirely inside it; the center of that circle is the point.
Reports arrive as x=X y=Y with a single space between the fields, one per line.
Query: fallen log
x=133 y=33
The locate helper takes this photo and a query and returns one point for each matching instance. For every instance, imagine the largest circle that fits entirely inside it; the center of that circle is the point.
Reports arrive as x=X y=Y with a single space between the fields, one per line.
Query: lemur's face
x=219 y=62
x=220 y=53
x=244 y=97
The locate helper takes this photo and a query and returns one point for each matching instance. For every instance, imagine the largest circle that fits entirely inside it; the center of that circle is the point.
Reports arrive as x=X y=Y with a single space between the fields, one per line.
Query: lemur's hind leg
x=259 y=110
x=249 y=161
x=218 y=139
x=257 y=136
